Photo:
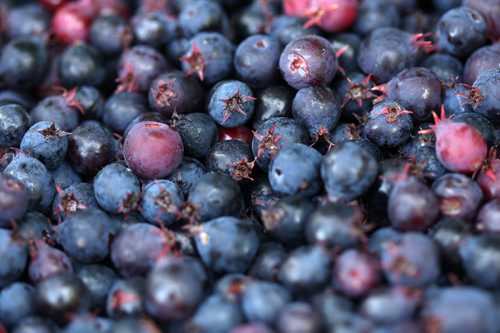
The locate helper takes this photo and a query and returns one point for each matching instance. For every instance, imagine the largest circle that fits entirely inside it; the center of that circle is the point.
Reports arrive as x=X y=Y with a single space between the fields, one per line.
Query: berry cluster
x=249 y=166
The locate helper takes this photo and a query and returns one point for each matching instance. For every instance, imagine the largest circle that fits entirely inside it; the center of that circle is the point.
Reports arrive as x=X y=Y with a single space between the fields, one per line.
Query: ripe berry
x=308 y=61
x=459 y=147
x=152 y=149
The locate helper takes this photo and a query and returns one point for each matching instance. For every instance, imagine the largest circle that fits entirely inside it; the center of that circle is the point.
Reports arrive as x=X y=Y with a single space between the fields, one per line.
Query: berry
x=210 y=57
x=227 y=244
x=117 y=189
x=161 y=202
x=152 y=149
x=216 y=195
x=459 y=147
x=356 y=274
x=256 y=60
x=14 y=200
x=348 y=171
x=47 y=142
x=460 y=31
x=412 y=205
x=91 y=147
x=174 y=288
x=295 y=170
x=231 y=103
x=308 y=61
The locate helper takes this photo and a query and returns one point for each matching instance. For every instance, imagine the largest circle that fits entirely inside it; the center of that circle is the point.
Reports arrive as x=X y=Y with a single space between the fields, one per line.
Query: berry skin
x=329 y=15
x=71 y=22
x=47 y=142
x=23 y=62
x=459 y=147
x=161 y=201
x=390 y=305
x=136 y=249
x=174 y=92
x=91 y=147
x=187 y=174
x=72 y=199
x=110 y=34
x=17 y=301
x=444 y=66
x=387 y=51
x=412 y=205
x=273 y=101
x=60 y=109
x=335 y=226
x=216 y=314
x=36 y=179
x=227 y=244
x=307 y=269
x=216 y=195
x=46 y=261
x=416 y=89
x=256 y=60
x=86 y=235
x=61 y=296
x=154 y=28
x=81 y=64
x=152 y=149
x=117 y=189
x=483 y=59
x=263 y=301
x=273 y=135
x=488 y=217
x=232 y=157
x=14 y=200
x=356 y=273
x=198 y=132
x=202 y=16
x=174 y=288
x=295 y=170
x=121 y=109
x=138 y=66
x=210 y=57
x=459 y=196
x=231 y=103
x=410 y=261
x=460 y=31
x=27 y=20
x=308 y=61
x=14 y=122
x=459 y=309
x=487 y=102
x=480 y=259
x=490 y=11
x=14 y=258
x=488 y=177
x=317 y=109
x=286 y=219
x=388 y=125
x=348 y=171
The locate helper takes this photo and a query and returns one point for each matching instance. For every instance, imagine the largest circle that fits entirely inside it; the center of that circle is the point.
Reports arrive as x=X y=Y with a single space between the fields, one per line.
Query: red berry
x=459 y=146
x=71 y=22
x=152 y=149
x=329 y=15
x=489 y=176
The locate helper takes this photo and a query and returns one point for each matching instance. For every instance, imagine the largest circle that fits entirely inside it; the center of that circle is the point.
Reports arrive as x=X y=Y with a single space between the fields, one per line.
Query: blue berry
x=231 y=103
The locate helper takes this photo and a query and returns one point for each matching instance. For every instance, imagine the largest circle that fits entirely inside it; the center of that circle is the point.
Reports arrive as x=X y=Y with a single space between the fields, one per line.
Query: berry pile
x=249 y=166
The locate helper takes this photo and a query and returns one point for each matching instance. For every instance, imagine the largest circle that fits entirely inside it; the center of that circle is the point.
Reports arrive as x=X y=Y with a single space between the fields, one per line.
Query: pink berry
x=152 y=149
x=329 y=15
x=459 y=146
